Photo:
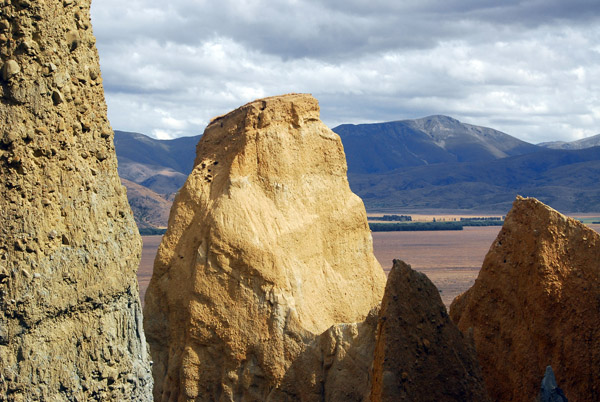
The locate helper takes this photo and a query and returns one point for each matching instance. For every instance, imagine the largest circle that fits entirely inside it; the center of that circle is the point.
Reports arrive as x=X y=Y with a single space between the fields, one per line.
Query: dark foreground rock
x=420 y=354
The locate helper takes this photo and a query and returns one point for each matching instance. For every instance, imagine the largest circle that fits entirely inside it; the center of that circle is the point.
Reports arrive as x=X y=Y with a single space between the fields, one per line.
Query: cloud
x=529 y=68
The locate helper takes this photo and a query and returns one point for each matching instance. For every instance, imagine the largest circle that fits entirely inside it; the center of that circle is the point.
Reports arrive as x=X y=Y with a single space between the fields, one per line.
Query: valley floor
x=451 y=259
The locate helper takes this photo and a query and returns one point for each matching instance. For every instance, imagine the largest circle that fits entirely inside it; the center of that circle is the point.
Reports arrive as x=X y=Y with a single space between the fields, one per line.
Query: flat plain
x=144 y=273
x=451 y=259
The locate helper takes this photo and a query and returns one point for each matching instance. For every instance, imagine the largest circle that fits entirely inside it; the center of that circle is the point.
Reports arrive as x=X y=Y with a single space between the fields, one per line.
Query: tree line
x=393 y=218
x=421 y=226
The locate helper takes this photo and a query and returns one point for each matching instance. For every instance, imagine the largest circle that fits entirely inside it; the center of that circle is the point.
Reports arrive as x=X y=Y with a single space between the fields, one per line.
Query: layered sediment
x=267 y=248
x=70 y=316
x=536 y=303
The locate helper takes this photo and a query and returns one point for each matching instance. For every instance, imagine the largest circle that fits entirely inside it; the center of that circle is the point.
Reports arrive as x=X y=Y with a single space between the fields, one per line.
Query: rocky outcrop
x=266 y=249
x=549 y=391
x=420 y=354
x=536 y=303
x=70 y=317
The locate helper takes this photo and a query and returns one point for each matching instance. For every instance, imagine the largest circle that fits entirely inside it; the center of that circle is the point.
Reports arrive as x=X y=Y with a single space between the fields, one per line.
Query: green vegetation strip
x=396 y=218
x=152 y=231
x=482 y=223
x=415 y=226
x=592 y=220
x=421 y=226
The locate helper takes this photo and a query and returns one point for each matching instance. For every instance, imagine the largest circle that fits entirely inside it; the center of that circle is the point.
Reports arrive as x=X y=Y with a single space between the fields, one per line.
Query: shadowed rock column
x=70 y=317
x=420 y=355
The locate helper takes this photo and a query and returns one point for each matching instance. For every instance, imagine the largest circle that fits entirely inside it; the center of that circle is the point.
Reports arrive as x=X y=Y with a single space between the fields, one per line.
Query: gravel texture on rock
x=70 y=315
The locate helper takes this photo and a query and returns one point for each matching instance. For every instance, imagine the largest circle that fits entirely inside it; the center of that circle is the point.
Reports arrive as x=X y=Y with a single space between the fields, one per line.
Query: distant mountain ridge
x=383 y=147
x=177 y=154
x=435 y=162
x=160 y=165
x=583 y=143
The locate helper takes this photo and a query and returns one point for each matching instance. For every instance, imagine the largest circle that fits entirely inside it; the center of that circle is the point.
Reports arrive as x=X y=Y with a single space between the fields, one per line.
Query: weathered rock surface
x=335 y=366
x=420 y=354
x=536 y=303
x=70 y=316
x=549 y=390
x=266 y=249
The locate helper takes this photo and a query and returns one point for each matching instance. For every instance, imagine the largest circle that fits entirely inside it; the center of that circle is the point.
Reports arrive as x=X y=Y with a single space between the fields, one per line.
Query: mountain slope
x=566 y=180
x=583 y=143
x=160 y=165
x=150 y=210
x=177 y=154
x=383 y=147
x=153 y=171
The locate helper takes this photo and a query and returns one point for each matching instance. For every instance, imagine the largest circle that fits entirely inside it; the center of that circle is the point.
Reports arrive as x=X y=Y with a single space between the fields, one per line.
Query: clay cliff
x=266 y=249
x=420 y=354
x=70 y=316
x=335 y=366
x=536 y=303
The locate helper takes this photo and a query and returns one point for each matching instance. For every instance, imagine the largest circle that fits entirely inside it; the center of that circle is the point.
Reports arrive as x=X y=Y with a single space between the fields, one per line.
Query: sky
x=529 y=68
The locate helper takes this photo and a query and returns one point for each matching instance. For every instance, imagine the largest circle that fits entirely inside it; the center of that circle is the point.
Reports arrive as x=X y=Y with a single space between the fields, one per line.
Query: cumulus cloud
x=529 y=68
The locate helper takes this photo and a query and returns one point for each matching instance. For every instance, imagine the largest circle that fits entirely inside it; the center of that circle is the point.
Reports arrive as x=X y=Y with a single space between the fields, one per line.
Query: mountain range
x=433 y=163
x=588 y=142
x=152 y=171
x=385 y=147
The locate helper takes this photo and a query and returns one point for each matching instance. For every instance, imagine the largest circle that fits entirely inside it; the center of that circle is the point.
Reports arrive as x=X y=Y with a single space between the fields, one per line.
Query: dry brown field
x=451 y=259
x=144 y=273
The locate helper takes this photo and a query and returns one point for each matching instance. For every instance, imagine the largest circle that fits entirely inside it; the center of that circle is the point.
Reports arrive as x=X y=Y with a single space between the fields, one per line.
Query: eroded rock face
x=266 y=249
x=336 y=366
x=420 y=354
x=536 y=303
x=70 y=317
